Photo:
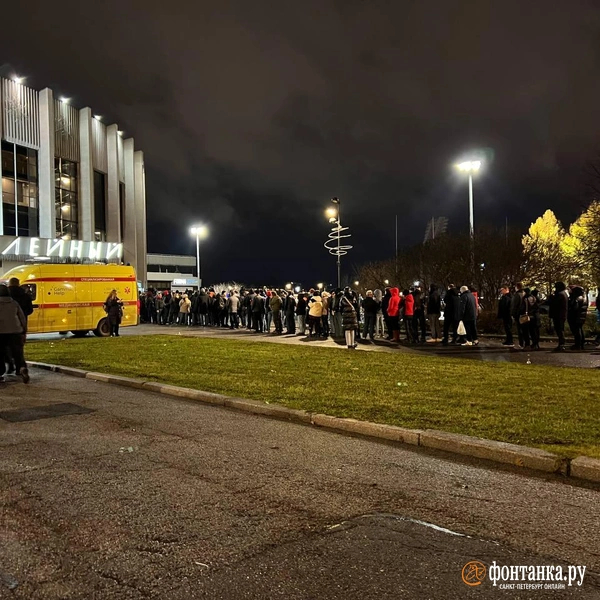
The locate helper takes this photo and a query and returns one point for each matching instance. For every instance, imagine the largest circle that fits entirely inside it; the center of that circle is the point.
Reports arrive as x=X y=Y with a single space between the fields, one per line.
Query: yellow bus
x=71 y=297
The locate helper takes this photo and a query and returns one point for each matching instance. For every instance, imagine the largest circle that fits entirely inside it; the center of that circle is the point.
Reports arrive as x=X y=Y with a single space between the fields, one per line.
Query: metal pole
x=471 y=204
x=339 y=258
x=471 y=229
x=198 y=261
x=396 y=257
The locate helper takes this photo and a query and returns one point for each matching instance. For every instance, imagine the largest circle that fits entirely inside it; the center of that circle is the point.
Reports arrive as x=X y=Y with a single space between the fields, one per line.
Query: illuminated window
x=19 y=190
x=66 y=199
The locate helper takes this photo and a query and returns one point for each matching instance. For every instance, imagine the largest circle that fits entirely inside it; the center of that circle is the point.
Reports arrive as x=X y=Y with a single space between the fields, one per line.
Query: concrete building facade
x=73 y=189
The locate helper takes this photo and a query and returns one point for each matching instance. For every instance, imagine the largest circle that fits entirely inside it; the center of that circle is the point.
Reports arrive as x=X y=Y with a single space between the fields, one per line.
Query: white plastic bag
x=461 y=329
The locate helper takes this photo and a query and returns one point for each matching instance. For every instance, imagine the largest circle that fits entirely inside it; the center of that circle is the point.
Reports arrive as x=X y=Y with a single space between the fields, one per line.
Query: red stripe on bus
x=81 y=304
x=83 y=279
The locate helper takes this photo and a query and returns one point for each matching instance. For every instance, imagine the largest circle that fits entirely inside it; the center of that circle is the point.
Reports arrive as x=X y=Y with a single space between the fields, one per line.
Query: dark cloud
x=252 y=114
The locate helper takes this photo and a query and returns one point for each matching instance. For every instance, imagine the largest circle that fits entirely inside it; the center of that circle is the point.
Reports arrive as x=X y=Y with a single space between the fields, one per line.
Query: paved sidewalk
x=487 y=350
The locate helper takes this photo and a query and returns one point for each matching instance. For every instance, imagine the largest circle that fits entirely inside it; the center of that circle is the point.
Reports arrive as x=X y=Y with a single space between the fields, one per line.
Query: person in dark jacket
x=258 y=312
x=468 y=315
x=557 y=311
x=13 y=329
x=419 y=315
x=451 y=314
x=370 y=307
x=505 y=316
x=576 y=315
x=290 y=314
x=21 y=296
x=434 y=310
x=114 y=311
x=533 y=308
x=301 y=306
x=516 y=305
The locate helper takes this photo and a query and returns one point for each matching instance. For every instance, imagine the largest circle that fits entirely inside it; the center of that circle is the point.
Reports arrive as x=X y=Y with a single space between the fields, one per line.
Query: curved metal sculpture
x=336 y=235
x=337 y=244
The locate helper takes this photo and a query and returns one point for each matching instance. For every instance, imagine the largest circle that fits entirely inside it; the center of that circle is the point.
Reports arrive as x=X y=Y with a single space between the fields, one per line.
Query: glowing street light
x=386 y=281
x=201 y=232
x=320 y=286
x=288 y=286
x=18 y=80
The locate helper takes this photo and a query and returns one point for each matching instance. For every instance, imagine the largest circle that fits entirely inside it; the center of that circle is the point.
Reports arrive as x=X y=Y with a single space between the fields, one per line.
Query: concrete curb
x=582 y=467
x=521 y=456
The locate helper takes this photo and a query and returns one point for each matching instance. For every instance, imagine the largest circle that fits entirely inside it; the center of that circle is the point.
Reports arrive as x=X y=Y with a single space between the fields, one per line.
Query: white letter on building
x=14 y=244
x=34 y=247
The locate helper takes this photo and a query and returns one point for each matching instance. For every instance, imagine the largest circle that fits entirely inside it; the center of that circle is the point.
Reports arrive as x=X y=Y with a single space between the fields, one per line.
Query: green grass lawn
x=557 y=409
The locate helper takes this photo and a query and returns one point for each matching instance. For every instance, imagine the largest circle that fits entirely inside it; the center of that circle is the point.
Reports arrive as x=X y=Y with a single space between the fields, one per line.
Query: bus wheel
x=80 y=332
x=103 y=329
x=63 y=332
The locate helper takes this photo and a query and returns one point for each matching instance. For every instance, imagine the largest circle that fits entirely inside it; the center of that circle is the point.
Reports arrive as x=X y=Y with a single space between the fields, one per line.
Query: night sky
x=251 y=115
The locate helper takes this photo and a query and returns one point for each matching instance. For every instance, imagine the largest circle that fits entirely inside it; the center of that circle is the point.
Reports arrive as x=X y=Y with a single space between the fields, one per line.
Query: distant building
x=172 y=271
x=73 y=190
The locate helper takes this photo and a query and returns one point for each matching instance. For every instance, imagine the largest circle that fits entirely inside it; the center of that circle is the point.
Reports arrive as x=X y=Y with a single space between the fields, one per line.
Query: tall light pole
x=337 y=234
x=470 y=167
x=200 y=231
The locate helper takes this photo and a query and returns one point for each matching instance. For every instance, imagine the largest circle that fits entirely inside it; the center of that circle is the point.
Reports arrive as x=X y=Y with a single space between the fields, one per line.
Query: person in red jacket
x=408 y=304
x=393 y=312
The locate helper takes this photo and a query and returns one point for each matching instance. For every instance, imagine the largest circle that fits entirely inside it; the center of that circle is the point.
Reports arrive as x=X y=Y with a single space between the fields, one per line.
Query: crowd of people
x=447 y=316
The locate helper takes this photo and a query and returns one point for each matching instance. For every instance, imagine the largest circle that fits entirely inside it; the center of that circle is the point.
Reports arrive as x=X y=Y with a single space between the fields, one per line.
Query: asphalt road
x=145 y=496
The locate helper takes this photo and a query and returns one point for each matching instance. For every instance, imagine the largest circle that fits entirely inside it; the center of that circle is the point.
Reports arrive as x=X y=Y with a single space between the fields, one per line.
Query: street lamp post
x=337 y=234
x=200 y=231
x=470 y=167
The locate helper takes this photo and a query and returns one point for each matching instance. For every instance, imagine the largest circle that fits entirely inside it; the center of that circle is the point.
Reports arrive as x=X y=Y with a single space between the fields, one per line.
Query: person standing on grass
x=434 y=310
x=114 y=312
x=576 y=315
x=349 y=318
x=468 y=314
x=504 y=315
x=13 y=331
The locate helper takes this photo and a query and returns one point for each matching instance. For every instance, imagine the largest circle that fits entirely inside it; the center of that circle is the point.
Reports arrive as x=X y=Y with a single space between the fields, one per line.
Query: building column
x=129 y=235
x=86 y=177
x=46 y=184
x=140 y=211
x=113 y=210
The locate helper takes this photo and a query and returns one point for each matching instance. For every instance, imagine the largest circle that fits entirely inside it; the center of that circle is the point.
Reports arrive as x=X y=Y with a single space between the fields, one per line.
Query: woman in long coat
x=349 y=318
x=114 y=312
